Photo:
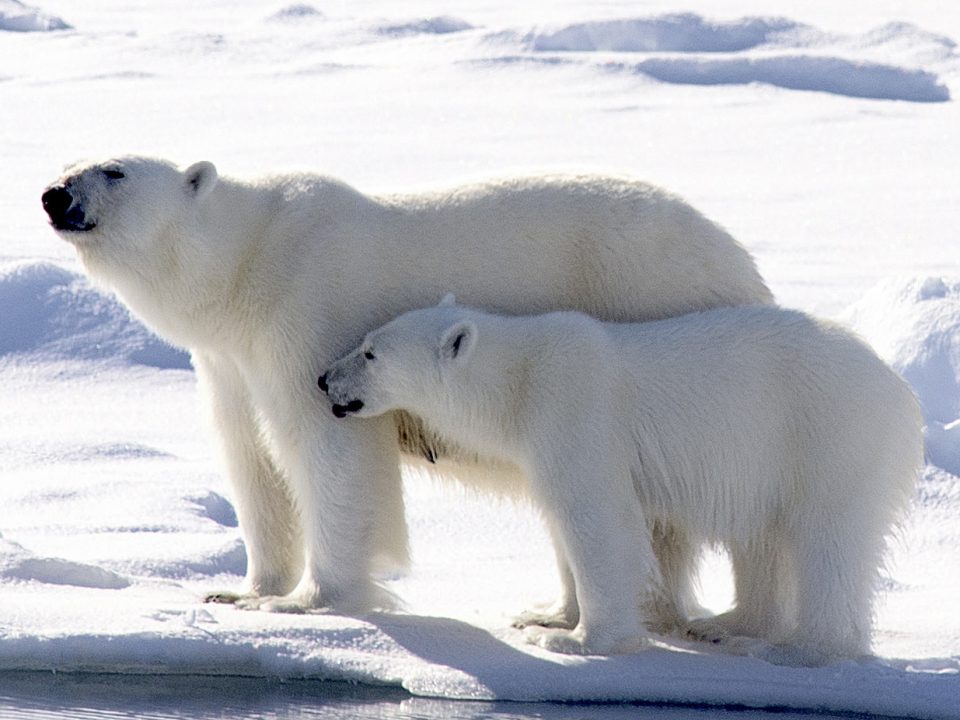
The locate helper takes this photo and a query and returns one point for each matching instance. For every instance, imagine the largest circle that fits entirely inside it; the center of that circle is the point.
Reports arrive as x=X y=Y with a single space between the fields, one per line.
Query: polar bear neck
x=191 y=290
x=488 y=408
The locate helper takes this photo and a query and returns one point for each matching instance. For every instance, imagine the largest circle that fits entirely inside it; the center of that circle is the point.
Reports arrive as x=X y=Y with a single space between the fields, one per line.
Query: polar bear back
x=758 y=407
x=594 y=241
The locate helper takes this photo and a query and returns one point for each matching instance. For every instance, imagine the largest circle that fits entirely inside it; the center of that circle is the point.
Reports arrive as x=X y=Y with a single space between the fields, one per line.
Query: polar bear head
x=406 y=364
x=122 y=208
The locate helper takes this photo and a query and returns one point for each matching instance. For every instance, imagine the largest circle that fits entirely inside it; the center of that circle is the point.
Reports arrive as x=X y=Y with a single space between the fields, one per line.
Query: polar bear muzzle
x=64 y=212
x=341 y=411
x=341 y=407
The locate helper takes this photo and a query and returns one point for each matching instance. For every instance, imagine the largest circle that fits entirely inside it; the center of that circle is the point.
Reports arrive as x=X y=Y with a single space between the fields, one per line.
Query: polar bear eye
x=114 y=174
x=369 y=355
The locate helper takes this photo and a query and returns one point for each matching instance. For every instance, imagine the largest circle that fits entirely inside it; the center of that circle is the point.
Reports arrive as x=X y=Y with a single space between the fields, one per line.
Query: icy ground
x=823 y=136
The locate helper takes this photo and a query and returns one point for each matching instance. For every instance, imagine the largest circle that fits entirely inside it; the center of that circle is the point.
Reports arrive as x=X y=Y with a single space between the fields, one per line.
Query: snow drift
x=689 y=49
x=50 y=313
x=915 y=326
x=17 y=17
x=838 y=76
x=684 y=32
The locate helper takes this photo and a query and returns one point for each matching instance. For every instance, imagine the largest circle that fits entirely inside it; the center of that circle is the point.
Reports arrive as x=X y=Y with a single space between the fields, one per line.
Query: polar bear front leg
x=336 y=468
x=564 y=612
x=267 y=517
x=588 y=497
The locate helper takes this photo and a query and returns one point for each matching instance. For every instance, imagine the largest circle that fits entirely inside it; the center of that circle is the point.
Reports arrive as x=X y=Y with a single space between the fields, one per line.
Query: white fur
x=268 y=281
x=784 y=438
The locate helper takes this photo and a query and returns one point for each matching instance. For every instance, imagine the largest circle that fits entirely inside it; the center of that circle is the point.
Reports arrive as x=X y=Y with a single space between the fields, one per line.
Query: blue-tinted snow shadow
x=692 y=50
x=20 y=18
x=468 y=662
x=835 y=76
x=832 y=75
x=50 y=313
x=677 y=32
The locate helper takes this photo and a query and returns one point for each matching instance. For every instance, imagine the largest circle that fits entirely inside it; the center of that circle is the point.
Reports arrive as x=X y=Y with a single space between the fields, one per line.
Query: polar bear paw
x=548 y=617
x=578 y=642
x=731 y=627
x=305 y=598
x=293 y=604
x=275 y=604
x=224 y=597
x=245 y=600
x=716 y=630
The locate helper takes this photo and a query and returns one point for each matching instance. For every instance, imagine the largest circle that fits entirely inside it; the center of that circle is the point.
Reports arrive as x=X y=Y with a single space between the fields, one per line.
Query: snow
x=915 y=326
x=822 y=135
x=17 y=17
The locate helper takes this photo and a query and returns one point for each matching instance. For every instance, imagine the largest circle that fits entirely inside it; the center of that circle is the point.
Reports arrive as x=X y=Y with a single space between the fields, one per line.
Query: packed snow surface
x=822 y=135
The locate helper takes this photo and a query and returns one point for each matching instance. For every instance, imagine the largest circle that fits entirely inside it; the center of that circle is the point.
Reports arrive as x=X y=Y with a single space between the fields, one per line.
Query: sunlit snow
x=823 y=135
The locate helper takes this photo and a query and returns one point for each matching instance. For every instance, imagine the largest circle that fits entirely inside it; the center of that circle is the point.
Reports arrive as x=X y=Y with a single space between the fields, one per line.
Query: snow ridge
x=53 y=314
x=684 y=32
x=296 y=13
x=833 y=75
x=440 y=25
x=18 y=563
x=17 y=17
x=688 y=49
x=915 y=326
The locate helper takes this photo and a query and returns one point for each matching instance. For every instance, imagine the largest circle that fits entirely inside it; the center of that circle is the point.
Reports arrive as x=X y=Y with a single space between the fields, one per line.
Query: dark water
x=35 y=695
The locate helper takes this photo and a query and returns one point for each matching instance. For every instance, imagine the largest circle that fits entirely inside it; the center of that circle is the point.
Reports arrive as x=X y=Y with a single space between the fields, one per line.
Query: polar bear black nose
x=322 y=382
x=56 y=201
x=341 y=411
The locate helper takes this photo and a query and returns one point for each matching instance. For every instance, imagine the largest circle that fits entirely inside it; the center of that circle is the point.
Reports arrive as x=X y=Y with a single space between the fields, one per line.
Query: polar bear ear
x=200 y=178
x=448 y=300
x=458 y=341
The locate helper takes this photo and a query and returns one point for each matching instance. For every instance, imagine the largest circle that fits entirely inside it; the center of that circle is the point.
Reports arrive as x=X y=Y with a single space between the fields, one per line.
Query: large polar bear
x=785 y=439
x=267 y=281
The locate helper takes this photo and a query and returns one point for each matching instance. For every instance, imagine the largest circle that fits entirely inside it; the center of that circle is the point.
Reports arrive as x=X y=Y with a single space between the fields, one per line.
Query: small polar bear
x=268 y=280
x=783 y=438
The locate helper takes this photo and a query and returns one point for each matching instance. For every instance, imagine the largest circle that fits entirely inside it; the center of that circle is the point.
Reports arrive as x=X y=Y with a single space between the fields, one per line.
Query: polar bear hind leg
x=836 y=562
x=667 y=605
x=764 y=593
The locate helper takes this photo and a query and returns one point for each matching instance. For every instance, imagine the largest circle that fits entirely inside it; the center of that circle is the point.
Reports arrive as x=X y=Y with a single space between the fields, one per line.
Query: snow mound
x=833 y=75
x=915 y=326
x=53 y=314
x=688 y=49
x=943 y=445
x=441 y=25
x=97 y=452
x=17 y=17
x=683 y=32
x=18 y=563
x=214 y=506
x=296 y=13
x=907 y=39
x=227 y=559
